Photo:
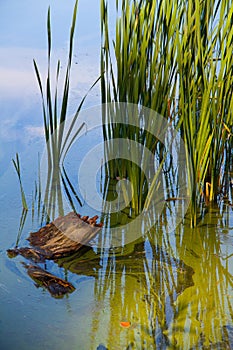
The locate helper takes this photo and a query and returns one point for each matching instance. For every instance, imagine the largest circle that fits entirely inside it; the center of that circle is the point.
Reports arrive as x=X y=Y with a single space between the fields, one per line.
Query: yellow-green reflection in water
x=203 y=312
x=176 y=290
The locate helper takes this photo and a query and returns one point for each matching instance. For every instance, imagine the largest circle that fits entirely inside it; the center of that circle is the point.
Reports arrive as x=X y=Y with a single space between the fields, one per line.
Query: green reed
x=16 y=163
x=205 y=94
x=55 y=116
x=174 y=57
x=135 y=81
x=59 y=135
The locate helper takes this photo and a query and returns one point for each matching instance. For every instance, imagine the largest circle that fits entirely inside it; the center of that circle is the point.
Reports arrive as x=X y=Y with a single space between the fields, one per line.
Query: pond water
x=162 y=291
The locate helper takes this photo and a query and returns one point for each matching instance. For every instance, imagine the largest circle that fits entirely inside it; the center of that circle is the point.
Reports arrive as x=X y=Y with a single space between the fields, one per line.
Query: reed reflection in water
x=171 y=290
x=174 y=290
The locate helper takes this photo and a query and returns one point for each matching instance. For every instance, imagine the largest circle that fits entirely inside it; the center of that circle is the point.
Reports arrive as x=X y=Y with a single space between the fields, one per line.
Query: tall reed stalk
x=136 y=74
x=55 y=118
x=59 y=135
x=205 y=94
x=16 y=163
x=175 y=57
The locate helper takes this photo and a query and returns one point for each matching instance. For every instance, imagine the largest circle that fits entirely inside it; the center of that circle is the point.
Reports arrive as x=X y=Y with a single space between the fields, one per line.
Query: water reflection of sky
x=22 y=38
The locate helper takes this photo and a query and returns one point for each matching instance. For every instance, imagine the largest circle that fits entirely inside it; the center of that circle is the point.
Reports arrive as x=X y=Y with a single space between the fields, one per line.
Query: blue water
x=28 y=319
x=110 y=294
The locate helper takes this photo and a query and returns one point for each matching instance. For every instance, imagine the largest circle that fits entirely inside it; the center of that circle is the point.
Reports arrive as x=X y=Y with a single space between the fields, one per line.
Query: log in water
x=61 y=238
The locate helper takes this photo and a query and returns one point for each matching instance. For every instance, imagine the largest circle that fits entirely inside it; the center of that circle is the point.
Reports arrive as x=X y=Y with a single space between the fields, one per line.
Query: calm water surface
x=176 y=290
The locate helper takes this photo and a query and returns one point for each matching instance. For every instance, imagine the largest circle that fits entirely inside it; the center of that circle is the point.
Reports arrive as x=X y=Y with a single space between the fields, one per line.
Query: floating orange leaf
x=125 y=324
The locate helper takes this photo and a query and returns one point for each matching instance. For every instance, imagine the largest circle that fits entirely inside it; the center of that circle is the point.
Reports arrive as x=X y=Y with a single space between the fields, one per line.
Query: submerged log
x=59 y=239
x=56 y=286
x=65 y=241
x=29 y=253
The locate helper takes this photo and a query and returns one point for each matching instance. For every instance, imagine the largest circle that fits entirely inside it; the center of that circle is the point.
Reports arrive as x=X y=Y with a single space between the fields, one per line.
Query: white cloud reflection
x=34 y=131
x=18 y=79
x=16 y=71
x=22 y=39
